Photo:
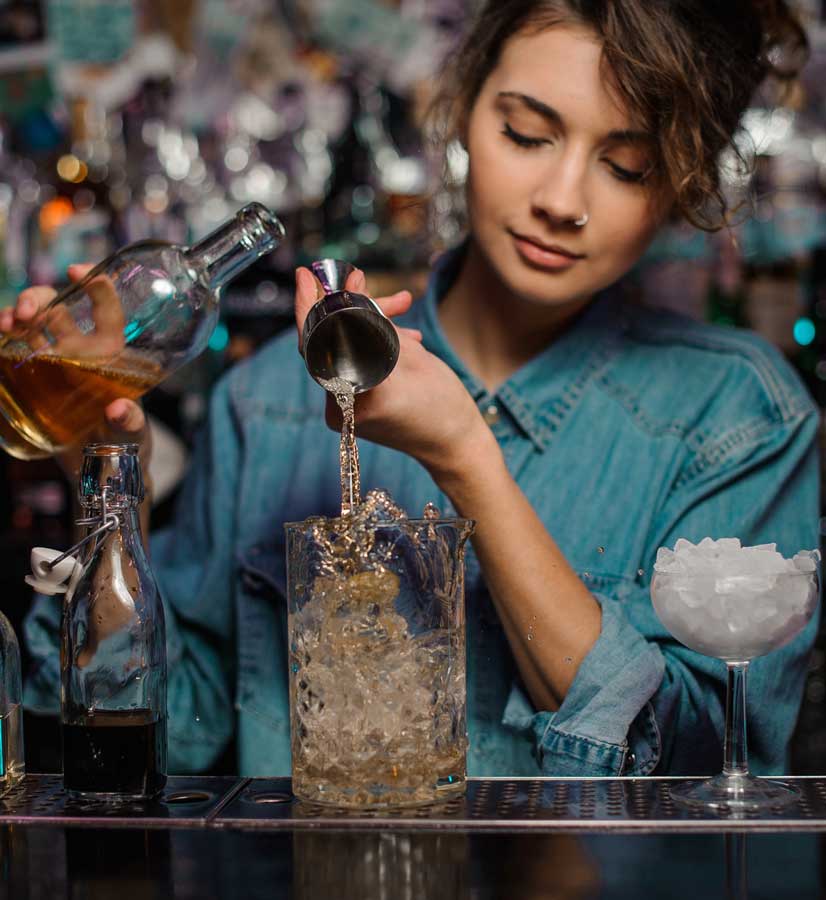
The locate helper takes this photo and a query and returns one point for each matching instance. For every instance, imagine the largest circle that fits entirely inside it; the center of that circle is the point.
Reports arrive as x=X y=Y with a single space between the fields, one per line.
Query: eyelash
x=626 y=175
x=522 y=140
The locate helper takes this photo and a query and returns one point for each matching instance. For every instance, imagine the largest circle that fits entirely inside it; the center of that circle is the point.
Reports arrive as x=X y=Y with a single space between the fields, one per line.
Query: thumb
x=78 y=271
x=306 y=294
x=126 y=420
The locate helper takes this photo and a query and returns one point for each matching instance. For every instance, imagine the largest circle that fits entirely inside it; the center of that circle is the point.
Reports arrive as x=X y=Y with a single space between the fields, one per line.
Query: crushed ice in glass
x=377 y=654
x=734 y=602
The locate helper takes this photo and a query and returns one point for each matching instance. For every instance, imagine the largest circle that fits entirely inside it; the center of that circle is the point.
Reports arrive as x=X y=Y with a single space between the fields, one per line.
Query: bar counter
x=507 y=838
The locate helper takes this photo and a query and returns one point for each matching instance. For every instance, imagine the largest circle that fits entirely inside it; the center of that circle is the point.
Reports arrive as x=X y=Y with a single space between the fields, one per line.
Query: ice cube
x=379 y=586
x=379 y=506
x=736 y=584
x=762 y=562
x=799 y=594
x=668 y=562
x=763 y=611
x=684 y=546
x=727 y=545
x=806 y=561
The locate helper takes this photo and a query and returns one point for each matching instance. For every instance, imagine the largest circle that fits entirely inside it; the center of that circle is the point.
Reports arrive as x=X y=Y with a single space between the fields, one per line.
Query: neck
x=222 y=254
x=492 y=328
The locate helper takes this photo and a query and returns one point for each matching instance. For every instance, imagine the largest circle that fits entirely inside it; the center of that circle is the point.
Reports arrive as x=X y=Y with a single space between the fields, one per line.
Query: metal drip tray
x=496 y=804
x=629 y=804
x=188 y=801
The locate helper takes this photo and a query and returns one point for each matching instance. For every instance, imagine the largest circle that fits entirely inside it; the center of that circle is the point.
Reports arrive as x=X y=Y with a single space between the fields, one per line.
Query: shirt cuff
x=605 y=726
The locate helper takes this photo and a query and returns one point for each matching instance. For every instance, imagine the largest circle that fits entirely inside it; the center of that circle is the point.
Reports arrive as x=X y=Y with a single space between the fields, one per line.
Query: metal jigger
x=346 y=335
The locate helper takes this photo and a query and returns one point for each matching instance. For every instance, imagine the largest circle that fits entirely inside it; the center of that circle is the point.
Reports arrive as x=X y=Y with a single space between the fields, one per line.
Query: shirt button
x=491 y=414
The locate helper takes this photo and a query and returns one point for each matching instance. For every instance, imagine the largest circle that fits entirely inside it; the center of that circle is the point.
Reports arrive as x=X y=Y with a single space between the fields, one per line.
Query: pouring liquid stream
x=345 y=397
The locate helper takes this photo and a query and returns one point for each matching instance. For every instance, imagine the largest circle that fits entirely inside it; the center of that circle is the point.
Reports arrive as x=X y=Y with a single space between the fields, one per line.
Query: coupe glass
x=734 y=618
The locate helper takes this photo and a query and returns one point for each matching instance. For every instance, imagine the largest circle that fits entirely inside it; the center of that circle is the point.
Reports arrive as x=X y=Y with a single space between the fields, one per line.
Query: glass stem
x=737 y=885
x=736 y=754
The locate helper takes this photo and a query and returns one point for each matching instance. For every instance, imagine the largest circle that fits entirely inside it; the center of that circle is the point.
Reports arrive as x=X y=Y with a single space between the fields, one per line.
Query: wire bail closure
x=48 y=575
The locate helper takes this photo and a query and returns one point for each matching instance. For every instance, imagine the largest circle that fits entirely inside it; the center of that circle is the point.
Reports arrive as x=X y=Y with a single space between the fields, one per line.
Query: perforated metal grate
x=526 y=804
x=621 y=804
x=185 y=801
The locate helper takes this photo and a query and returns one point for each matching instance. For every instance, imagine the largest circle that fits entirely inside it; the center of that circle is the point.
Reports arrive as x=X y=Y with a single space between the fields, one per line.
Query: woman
x=581 y=433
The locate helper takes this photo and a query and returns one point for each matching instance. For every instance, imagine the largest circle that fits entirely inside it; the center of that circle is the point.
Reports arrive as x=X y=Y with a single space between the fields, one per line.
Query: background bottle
x=113 y=650
x=12 y=767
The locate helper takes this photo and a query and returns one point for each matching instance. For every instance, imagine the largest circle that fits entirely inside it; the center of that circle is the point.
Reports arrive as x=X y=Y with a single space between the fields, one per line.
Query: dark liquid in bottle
x=115 y=752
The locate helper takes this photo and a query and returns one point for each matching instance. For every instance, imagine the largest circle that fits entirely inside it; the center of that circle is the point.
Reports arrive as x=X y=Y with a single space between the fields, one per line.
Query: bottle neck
x=127 y=536
x=233 y=247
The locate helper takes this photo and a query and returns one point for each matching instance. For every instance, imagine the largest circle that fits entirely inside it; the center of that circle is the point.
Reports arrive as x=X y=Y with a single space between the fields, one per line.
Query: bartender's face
x=560 y=200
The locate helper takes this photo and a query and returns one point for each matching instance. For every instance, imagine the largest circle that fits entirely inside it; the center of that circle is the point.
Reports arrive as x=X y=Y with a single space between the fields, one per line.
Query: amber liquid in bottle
x=50 y=402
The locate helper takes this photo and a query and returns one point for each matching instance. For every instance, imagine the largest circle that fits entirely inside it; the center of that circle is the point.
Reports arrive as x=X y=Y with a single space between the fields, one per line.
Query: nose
x=560 y=195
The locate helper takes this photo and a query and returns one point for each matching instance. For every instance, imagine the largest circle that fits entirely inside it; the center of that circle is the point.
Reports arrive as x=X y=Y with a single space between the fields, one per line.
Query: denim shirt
x=634 y=428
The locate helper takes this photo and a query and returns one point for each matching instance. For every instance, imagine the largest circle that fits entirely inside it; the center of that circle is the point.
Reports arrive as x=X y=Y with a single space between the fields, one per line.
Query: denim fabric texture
x=635 y=428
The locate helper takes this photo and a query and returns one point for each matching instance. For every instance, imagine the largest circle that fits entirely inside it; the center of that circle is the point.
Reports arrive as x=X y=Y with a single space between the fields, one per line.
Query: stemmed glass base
x=734 y=793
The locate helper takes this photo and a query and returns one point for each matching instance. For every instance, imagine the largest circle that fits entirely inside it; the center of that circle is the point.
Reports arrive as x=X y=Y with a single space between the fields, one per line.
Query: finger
x=306 y=294
x=356 y=282
x=33 y=301
x=126 y=419
x=62 y=326
x=107 y=310
x=78 y=271
x=412 y=333
x=393 y=305
x=27 y=316
x=396 y=304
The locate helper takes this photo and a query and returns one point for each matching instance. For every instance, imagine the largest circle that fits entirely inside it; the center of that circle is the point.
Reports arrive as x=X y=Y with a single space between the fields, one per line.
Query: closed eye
x=522 y=140
x=626 y=174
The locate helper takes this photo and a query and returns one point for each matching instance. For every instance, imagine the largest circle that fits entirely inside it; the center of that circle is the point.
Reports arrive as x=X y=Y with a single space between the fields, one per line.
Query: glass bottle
x=113 y=647
x=12 y=764
x=134 y=319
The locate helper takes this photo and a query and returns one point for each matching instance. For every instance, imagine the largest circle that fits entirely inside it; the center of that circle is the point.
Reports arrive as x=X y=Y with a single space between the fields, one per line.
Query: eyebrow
x=625 y=135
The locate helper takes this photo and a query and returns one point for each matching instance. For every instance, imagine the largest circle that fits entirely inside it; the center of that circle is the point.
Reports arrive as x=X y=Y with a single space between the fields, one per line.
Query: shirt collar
x=544 y=391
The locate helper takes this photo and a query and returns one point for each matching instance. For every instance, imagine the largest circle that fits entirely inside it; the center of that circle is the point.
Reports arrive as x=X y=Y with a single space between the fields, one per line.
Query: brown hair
x=686 y=70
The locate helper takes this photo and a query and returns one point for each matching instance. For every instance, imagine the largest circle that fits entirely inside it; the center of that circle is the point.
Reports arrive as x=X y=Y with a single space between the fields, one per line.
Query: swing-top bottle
x=113 y=647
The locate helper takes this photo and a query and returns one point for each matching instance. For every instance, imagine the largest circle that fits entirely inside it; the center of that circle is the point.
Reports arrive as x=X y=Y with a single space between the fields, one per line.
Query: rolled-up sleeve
x=641 y=702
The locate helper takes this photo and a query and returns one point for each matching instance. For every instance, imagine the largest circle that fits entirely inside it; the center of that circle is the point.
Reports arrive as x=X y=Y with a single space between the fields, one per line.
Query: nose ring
x=580 y=223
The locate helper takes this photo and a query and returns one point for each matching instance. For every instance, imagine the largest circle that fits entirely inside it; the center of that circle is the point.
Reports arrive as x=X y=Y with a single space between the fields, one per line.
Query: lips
x=556 y=249
x=547 y=257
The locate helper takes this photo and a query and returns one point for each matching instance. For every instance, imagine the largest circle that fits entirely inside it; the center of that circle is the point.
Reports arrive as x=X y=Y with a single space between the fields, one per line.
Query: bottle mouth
x=112 y=468
x=110 y=449
x=262 y=223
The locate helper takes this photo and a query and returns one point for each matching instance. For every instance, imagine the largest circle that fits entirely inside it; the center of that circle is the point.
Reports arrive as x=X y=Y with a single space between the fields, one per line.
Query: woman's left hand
x=422 y=408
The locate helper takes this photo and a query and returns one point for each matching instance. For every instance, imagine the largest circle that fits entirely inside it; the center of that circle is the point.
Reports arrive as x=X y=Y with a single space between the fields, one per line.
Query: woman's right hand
x=123 y=419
